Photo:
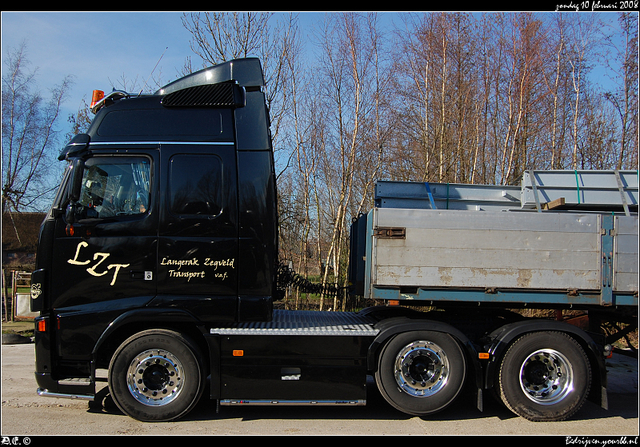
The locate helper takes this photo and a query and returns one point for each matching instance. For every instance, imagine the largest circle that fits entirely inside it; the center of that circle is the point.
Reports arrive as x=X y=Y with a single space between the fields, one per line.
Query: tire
x=156 y=375
x=544 y=376
x=421 y=373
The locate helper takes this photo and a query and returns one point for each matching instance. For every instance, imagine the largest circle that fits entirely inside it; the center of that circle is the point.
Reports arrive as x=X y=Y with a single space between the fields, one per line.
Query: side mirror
x=73 y=209
x=76 y=179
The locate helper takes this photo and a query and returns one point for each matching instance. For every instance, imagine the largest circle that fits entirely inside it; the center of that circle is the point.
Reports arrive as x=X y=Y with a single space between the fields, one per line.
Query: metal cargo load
x=490 y=244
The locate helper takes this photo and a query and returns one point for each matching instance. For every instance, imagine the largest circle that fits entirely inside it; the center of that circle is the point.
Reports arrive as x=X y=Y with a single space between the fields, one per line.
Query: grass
x=23 y=327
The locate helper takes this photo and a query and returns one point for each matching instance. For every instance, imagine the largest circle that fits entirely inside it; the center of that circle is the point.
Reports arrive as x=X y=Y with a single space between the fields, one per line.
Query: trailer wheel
x=421 y=373
x=544 y=376
x=156 y=375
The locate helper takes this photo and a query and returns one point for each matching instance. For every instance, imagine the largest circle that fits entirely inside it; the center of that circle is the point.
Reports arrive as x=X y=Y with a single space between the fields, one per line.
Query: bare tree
x=222 y=36
x=28 y=133
x=523 y=78
x=344 y=133
x=625 y=97
x=580 y=50
x=424 y=86
x=81 y=120
x=555 y=80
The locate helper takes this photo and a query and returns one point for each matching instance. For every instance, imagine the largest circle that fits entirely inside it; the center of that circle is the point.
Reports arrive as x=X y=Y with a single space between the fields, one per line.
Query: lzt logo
x=95 y=269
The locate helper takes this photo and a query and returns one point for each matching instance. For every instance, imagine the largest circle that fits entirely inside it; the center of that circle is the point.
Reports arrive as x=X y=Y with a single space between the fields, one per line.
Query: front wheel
x=544 y=376
x=156 y=375
x=421 y=373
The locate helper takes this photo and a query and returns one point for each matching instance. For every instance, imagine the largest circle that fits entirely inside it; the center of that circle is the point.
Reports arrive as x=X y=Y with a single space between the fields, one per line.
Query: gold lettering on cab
x=96 y=268
x=188 y=269
x=212 y=268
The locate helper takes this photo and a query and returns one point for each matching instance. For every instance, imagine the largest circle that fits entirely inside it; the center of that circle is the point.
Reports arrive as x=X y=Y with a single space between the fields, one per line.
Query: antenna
x=154 y=69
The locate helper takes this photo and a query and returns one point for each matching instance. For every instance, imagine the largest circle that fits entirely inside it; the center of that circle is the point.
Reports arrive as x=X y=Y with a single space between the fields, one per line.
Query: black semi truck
x=158 y=262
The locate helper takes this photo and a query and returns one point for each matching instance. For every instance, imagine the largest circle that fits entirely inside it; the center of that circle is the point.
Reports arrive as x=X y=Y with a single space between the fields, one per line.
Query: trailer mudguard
x=502 y=338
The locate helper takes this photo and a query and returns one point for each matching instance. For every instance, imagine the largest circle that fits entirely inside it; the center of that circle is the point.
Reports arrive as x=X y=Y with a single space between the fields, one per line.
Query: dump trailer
x=158 y=268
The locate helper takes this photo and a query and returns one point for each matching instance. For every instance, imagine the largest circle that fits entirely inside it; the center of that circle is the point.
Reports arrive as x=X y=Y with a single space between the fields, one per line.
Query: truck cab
x=167 y=210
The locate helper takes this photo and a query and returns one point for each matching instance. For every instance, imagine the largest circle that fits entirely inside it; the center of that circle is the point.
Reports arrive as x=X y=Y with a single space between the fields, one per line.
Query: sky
x=101 y=48
x=97 y=48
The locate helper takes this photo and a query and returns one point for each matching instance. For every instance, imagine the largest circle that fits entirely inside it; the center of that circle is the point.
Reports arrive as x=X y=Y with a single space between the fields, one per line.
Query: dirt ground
x=24 y=413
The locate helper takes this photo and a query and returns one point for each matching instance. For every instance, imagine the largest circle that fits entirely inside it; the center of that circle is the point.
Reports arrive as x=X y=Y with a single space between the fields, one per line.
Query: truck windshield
x=116 y=186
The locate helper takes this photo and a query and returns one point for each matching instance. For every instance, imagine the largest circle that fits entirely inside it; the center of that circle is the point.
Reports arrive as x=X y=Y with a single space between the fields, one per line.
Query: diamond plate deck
x=304 y=323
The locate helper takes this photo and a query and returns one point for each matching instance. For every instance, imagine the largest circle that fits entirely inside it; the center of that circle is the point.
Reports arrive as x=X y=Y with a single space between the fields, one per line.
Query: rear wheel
x=422 y=372
x=156 y=375
x=544 y=376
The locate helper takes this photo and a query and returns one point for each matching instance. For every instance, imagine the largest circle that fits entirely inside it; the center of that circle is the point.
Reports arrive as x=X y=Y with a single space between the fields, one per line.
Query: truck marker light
x=96 y=97
x=42 y=326
x=483 y=355
x=69 y=230
x=394 y=303
x=238 y=353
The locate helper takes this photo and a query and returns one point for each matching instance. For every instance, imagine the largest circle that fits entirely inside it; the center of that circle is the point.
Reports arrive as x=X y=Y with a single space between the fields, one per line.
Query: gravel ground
x=27 y=414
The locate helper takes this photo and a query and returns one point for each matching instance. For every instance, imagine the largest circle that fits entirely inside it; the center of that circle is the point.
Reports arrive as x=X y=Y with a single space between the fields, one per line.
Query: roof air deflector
x=246 y=72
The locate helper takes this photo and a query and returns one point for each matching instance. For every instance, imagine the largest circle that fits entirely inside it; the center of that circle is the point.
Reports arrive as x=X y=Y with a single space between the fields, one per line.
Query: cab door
x=106 y=256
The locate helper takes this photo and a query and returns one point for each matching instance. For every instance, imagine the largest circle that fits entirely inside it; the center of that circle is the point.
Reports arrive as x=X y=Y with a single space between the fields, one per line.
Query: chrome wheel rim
x=546 y=377
x=421 y=369
x=155 y=377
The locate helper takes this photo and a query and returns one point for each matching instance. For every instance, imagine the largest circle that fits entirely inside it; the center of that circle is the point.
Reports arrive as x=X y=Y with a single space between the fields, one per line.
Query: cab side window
x=114 y=187
x=196 y=185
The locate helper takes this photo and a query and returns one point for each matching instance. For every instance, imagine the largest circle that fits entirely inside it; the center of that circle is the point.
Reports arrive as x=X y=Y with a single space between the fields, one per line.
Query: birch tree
x=580 y=49
x=624 y=97
x=29 y=133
